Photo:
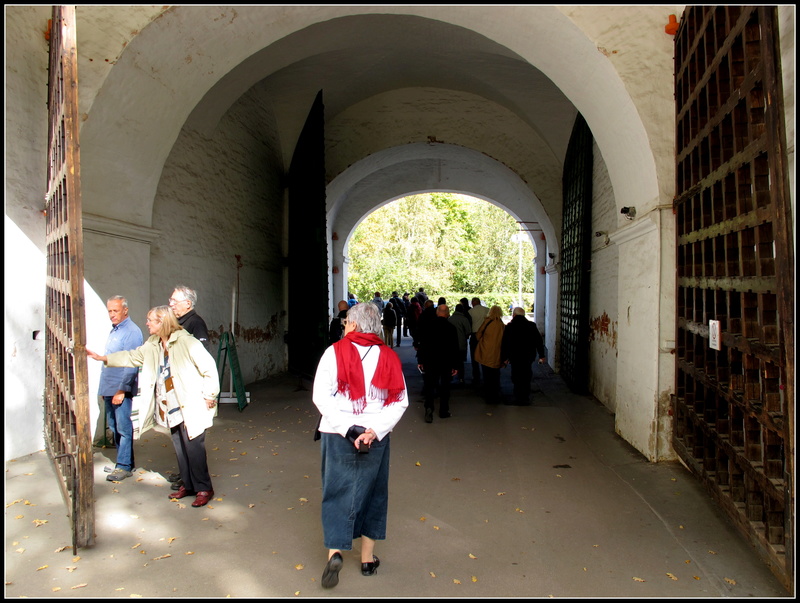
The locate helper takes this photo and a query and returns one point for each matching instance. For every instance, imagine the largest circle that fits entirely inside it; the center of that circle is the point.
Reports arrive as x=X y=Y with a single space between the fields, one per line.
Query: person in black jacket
x=438 y=357
x=400 y=310
x=336 y=329
x=521 y=343
x=182 y=302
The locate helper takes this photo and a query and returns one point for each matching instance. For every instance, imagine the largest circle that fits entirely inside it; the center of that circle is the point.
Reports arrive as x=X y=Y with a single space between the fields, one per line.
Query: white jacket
x=194 y=376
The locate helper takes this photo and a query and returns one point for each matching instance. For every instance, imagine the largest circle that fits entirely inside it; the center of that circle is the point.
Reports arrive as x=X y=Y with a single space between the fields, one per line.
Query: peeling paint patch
x=602 y=327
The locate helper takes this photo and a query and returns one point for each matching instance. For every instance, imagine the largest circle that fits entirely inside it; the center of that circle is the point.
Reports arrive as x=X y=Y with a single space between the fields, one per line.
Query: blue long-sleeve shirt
x=124 y=336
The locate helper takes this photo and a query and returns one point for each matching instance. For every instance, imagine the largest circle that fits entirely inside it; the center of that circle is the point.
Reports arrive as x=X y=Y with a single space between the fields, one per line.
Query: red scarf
x=387 y=382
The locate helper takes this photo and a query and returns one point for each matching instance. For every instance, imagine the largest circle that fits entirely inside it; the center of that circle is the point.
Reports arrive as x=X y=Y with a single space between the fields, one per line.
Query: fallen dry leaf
x=79 y=586
x=730 y=581
x=432 y=574
x=63 y=548
x=474 y=578
x=162 y=557
x=137 y=545
x=189 y=553
x=38 y=569
x=418 y=464
x=456 y=581
x=638 y=579
x=471 y=556
x=672 y=576
x=299 y=566
x=55 y=589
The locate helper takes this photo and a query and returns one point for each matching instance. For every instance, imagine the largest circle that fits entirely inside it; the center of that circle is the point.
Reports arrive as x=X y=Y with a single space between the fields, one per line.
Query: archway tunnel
x=191 y=117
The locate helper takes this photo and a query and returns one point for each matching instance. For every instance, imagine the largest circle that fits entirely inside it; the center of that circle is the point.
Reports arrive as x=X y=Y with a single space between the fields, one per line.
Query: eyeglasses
x=172 y=300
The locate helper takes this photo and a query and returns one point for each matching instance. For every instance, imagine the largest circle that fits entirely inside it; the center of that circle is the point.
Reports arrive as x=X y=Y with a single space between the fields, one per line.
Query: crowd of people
x=359 y=390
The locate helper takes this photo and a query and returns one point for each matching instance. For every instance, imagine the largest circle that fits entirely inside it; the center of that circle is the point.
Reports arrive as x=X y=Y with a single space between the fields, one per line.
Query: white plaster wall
x=639 y=331
x=24 y=228
x=422 y=115
x=603 y=295
x=219 y=203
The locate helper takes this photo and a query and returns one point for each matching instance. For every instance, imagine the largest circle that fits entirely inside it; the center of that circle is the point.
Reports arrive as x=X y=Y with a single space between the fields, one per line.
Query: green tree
x=450 y=244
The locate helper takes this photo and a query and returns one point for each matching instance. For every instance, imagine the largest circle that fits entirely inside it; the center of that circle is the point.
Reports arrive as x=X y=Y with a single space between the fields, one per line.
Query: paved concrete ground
x=497 y=501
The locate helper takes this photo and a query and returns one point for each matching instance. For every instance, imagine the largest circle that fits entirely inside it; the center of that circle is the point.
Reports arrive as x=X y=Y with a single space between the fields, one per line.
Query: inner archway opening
x=453 y=245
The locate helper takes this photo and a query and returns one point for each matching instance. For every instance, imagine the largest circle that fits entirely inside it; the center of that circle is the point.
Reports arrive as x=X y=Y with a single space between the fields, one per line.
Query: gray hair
x=118 y=298
x=519 y=311
x=367 y=318
x=190 y=294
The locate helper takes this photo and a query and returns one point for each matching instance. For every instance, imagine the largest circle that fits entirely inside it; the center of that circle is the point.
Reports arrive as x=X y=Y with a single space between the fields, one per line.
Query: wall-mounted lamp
x=335 y=237
x=336 y=269
x=628 y=212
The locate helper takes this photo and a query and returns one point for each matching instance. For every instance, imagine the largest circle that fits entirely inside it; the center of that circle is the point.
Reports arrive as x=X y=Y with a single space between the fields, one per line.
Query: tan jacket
x=194 y=376
x=490 y=339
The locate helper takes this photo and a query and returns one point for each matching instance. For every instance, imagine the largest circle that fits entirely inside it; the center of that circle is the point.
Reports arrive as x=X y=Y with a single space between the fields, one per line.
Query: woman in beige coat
x=180 y=383
x=488 y=352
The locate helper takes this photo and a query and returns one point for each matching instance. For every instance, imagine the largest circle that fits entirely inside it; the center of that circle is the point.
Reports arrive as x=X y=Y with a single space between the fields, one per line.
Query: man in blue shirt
x=118 y=386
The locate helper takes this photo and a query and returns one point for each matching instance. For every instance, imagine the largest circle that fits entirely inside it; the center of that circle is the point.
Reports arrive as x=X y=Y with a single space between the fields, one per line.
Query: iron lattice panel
x=576 y=258
x=67 y=429
x=732 y=422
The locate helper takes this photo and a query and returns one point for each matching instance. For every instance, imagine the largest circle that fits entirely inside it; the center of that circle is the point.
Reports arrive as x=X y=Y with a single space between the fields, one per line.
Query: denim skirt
x=355 y=491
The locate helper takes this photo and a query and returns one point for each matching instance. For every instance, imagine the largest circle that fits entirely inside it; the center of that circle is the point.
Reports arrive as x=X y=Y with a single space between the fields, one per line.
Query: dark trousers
x=491 y=384
x=437 y=380
x=521 y=375
x=192 y=460
x=400 y=330
x=476 y=366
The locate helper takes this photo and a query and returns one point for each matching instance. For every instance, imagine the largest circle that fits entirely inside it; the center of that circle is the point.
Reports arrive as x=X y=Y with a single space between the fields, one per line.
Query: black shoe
x=174 y=477
x=177 y=485
x=445 y=415
x=429 y=415
x=330 y=575
x=368 y=569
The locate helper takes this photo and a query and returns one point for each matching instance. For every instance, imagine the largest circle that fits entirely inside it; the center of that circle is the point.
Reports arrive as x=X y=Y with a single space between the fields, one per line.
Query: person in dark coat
x=521 y=343
x=400 y=310
x=438 y=358
x=336 y=329
x=389 y=323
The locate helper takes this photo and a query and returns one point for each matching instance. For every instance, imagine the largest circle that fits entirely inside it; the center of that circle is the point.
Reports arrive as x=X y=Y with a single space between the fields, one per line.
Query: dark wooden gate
x=67 y=425
x=734 y=400
x=308 y=247
x=576 y=257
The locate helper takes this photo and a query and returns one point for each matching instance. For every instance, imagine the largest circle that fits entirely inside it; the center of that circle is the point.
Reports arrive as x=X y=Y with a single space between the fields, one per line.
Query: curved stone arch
x=418 y=168
x=122 y=159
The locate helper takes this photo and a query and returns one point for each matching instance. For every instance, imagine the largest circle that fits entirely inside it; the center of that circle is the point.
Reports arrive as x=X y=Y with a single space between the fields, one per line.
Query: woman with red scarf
x=360 y=391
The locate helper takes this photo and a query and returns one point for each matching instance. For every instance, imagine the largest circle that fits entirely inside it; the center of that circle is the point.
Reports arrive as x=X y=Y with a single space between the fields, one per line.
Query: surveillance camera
x=599 y=233
x=628 y=212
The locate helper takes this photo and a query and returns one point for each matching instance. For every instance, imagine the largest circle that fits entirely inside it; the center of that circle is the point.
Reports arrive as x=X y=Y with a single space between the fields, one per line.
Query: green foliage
x=454 y=246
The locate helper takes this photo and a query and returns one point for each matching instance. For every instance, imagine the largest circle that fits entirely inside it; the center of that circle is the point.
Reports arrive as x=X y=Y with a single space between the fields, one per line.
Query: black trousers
x=476 y=366
x=521 y=376
x=192 y=460
x=437 y=380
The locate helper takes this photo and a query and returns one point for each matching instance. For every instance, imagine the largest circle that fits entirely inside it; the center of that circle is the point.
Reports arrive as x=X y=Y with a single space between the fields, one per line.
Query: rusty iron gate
x=67 y=426
x=576 y=257
x=734 y=394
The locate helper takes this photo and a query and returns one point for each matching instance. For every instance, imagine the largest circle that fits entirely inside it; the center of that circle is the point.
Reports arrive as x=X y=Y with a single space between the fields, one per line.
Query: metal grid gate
x=734 y=402
x=67 y=425
x=576 y=257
